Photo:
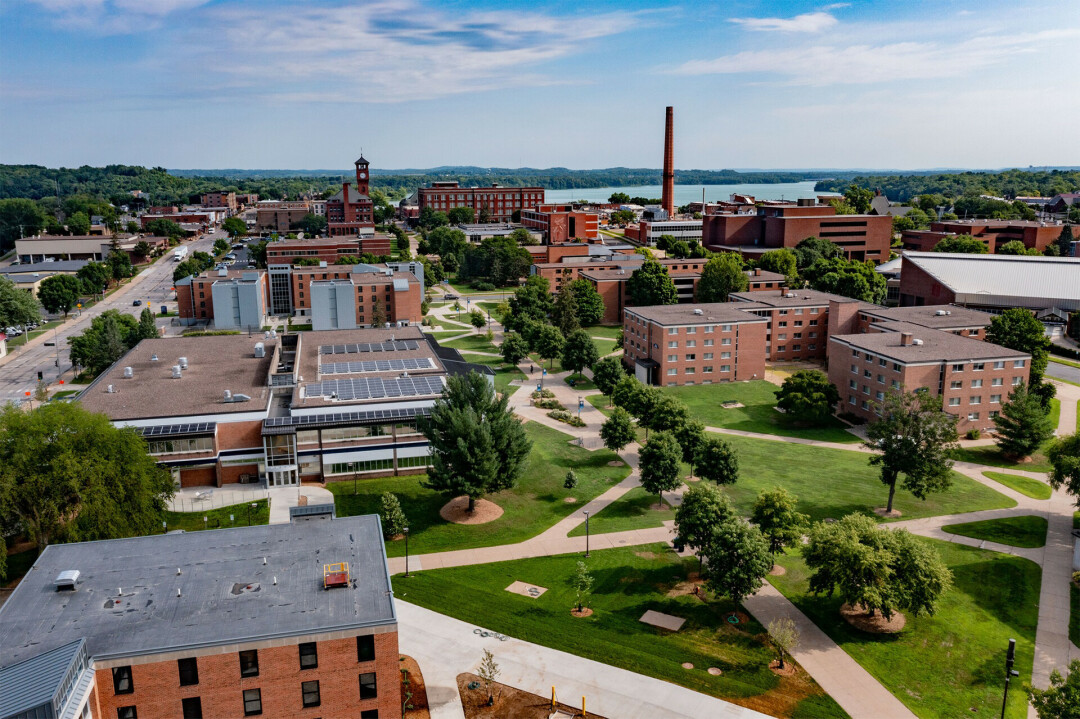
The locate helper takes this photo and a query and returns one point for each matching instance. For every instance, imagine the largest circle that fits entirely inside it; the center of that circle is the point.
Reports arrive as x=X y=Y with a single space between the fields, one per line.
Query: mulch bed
x=457 y=511
x=585 y=612
x=877 y=624
x=509 y=702
x=788 y=670
x=418 y=700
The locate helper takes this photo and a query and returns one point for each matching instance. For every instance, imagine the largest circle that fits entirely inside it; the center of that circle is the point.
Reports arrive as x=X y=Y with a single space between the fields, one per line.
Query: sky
x=308 y=84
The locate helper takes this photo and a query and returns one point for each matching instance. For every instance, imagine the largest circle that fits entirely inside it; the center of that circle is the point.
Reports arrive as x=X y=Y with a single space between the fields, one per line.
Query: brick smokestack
x=668 y=196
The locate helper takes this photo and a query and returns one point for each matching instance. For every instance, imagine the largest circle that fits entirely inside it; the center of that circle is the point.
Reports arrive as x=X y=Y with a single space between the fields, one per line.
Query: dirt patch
x=742 y=618
x=692 y=478
x=571 y=500
x=687 y=665
x=585 y=612
x=457 y=511
x=876 y=624
x=616 y=463
x=509 y=702
x=648 y=555
x=788 y=670
x=715 y=671
x=412 y=681
x=397 y=537
x=660 y=507
x=880 y=511
x=777 y=571
x=687 y=588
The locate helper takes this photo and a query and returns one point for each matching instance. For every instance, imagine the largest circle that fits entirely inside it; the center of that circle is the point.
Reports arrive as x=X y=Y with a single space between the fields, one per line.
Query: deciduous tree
x=650 y=285
x=514 y=348
x=583 y=582
x=1064 y=456
x=774 y=514
x=807 y=396
x=704 y=507
x=19 y=218
x=108 y=337
x=659 y=464
x=962 y=244
x=784 y=636
x=1061 y=700
x=1017 y=329
x=564 y=312
x=59 y=293
x=618 y=430
x=590 y=306
x=690 y=434
x=717 y=461
x=736 y=559
x=579 y=352
x=94 y=277
x=17 y=307
x=781 y=261
x=548 y=343
x=722 y=275
x=236 y=227
x=607 y=373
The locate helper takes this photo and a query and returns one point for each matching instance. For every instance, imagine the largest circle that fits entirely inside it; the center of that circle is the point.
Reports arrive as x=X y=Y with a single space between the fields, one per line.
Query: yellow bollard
x=584 y=714
x=553 y=696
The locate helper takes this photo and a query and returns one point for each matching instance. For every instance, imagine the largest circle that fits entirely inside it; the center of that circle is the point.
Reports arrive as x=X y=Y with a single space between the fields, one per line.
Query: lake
x=685 y=194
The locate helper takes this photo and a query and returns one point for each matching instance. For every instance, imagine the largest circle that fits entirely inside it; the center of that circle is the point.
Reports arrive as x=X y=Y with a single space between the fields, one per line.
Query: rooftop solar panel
x=336 y=418
x=178 y=429
x=390 y=365
x=361 y=347
x=375 y=387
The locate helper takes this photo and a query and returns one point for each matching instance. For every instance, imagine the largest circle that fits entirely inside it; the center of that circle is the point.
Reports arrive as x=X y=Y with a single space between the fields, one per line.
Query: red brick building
x=500 y=202
x=195 y=295
x=775 y=225
x=280 y=216
x=561 y=223
x=351 y=211
x=236 y=623
x=221 y=199
x=324 y=249
x=378 y=291
x=972 y=377
x=689 y=344
x=992 y=233
x=610 y=282
x=798 y=321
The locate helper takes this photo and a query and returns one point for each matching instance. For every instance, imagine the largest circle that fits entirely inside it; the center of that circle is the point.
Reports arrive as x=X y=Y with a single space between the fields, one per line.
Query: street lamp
x=586 y=534
x=1010 y=657
x=165 y=527
x=251 y=507
x=406 y=531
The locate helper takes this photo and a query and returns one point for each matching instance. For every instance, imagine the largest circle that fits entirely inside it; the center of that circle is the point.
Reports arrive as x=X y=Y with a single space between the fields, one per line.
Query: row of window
x=980 y=366
x=345 y=434
x=310 y=695
x=707 y=369
x=693 y=357
x=180 y=446
x=376 y=465
x=725 y=341
x=709 y=329
x=794 y=348
x=975 y=399
x=795 y=335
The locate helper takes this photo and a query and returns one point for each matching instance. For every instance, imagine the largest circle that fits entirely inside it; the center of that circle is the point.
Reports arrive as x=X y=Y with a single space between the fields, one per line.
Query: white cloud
x=831 y=64
x=812 y=22
x=115 y=17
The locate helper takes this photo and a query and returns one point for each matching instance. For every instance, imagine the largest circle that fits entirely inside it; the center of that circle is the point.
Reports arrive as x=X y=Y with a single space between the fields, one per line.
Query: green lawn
x=451 y=324
x=1024 y=485
x=828 y=482
x=581 y=382
x=628 y=582
x=553 y=366
x=1025 y=531
x=504 y=373
x=948 y=665
x=605 y=331
x=472 y=343
x=218 y=518
x=1062 y=360
x=532 y=506
x=634 y=510
x=757 y=415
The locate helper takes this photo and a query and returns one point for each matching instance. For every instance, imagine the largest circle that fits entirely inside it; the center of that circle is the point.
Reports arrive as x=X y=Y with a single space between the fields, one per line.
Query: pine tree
x=1023 y=424
x=147 y=328
x=393 y=518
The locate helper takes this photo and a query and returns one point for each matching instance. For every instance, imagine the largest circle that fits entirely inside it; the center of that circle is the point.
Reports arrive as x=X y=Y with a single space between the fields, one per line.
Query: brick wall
x=918 y=288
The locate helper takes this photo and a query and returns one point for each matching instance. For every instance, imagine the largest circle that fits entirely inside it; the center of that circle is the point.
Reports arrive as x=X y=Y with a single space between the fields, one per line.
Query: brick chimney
x=905 y=338
x=668 y=196
x=757 y=271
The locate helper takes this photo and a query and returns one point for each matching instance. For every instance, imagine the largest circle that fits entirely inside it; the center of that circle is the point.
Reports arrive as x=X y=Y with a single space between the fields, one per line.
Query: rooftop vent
x=266 y=335
x=940 y=313
x=699 y=312
x=260 y=349
x=67 y=580
x=223 y=272
x=228 y=396
x=905 y=338
x=110 y=389
x=128 y=373
x=182 y=362
x=153 y=358
x=790 y=294
x=273 y=334
x=176 y=372
x=917 y=342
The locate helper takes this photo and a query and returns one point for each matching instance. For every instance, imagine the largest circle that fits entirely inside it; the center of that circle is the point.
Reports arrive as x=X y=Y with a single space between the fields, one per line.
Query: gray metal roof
x=1004 y=280
x=36 y=680
x=227 y=594
x=57 y=266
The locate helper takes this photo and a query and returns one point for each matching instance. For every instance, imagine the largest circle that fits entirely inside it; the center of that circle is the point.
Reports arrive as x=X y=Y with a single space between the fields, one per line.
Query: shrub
x=548 y=404
x=545 y=394
x=483 y=286
x=973 y=434
x=569 y=418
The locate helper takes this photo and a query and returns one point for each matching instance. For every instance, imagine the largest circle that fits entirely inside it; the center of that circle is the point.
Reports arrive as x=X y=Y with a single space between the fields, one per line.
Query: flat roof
x=940 y=317
x=780 y=298
x=1004 y=280
x=687 y=314
x=57 y=266
x=937 y=345
x=227 y=594
x=215 y=364
x=765 y=276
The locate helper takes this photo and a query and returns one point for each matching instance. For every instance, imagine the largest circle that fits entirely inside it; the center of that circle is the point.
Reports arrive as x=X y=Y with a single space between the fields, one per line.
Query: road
x=1063 y=371
x=48 y=353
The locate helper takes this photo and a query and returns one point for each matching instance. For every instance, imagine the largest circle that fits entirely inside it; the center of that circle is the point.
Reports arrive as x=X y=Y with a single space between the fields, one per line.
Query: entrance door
x=281 y=477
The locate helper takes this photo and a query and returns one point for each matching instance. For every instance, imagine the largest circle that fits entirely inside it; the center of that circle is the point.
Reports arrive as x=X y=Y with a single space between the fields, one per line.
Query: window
x=883 y=362
x=672 y=358
x=691 y=343
x=958 y=368
x=672 y=344
x=673 y=330
x=796 y=348
x=369 y=714
x=782 y=336
x=309 y=655
x=1017 y=381
x=709 y=355
x=994 y=413
x=813 y=335
x=851 y=399
x=709 y=328
x=192 y=707
x=855 y=354
x=852 y=384
x=725 y=328
x=975 y=399
x=189 y=671
x=881 y=379
x=726 y=341
x=813 y=323
x=689 y=370
x=121 y=680
x=126 y=713
x=995 y=399
x=249 y=663
x=975 y=383
x=1000 y=364
x=691 y=330
x=365 y=648
x=783 y=324
x=798 y=311
x=954 y=401
x=1018 y=363
x=710 y=343
x=725 y=368
x=252 y=702
x=896 y=366
x=672 y=371
x=867 y=373
x=956 y=384
x=368 y=688
x=725 y=355
x=996 y=382
x=978 y=366
x=865 y=389
x=879 y=396
x=972 y=416
x=895 y=384
x=311 y=693
x=707 y=369
x=854 y=369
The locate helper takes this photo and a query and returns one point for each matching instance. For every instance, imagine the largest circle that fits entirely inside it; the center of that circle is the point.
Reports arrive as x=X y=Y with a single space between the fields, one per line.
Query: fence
x=186 y=501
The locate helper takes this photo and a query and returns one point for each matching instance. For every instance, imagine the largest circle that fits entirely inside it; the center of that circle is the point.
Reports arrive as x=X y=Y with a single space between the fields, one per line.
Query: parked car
x=137 y=303
x=451 y=297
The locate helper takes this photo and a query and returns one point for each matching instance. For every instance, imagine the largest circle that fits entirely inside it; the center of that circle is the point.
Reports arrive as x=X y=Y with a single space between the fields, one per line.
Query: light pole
x=165 y=527
x=406 y=531
x=1009 y=674
x=251 y=507
x=586 y=534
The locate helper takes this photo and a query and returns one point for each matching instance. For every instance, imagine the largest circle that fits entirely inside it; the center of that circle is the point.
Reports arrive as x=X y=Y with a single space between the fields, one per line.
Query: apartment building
x=230 y=299
x=798 y=321
x=775 y=225
x=314 y=406
x=610 y=282
x=972 y=377
x=220 y=199
x=676 y=345
x=993 y=233
x=352 y=296
x=561 y=223
x=217 y=624
x=853 y=316
x=499 y=202
x=280 y=216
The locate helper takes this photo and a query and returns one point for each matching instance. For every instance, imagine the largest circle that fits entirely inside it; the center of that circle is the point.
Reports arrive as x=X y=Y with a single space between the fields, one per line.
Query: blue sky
x=418 y=83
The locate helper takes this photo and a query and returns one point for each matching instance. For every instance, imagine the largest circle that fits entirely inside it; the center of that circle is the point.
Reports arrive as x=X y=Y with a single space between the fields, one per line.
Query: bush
x=1076 y=577
x=548 y=404
x=545 y=394
x=973 y=434
x=1064 y=351
x=483 y=286
x=563 y=416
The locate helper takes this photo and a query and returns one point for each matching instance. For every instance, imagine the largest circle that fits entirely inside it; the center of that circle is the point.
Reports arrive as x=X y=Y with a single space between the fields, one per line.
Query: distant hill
x=1007 y=183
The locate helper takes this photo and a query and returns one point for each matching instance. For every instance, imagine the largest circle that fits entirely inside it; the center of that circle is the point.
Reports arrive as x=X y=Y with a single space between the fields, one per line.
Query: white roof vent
x=176 y=372
x=110 y=389
x=266 y=335
x=241 y=397
x=260 y=349
x=128 y=373
x=916 y=342
x=153 y=358
x=789 y=294
x=228 y=396
x=273 y=334
x=699 y=312
x=940 y=313
x=67 y=580
x=182 y=362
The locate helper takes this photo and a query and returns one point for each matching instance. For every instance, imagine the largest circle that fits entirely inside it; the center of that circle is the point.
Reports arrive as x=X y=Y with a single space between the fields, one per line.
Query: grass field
x=504 y=373
x=532 y=506
x=841 y=482
x=1024 y=485
x=627 y=583
x=553 y=366
x=607 y=332
x=1026 y=531
x=218 y=518
x=581 y=382
x=472 y=343
x=947 y=665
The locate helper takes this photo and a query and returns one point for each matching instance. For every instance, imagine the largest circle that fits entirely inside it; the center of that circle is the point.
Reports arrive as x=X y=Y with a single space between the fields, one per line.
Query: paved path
x=445 y=647
x=281 y=498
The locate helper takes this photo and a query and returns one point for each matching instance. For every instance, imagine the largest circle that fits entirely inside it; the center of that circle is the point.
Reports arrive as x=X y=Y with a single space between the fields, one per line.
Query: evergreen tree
x=393 y=518
x=1023 y=424
x=564 y=313
x=147 y=329
x=571 y=480
x=1065 y=240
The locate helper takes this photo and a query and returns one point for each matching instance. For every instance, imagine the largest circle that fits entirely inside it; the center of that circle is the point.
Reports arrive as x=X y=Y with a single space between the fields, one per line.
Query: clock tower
x=362 y=175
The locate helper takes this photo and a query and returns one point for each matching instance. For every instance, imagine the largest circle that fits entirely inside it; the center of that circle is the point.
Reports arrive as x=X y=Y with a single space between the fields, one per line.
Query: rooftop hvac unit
x=260 y=349
x=153 y=358
x=67 y=580
x=128 y=373
x=182 y=362
x=176 y=372
x=916 y=342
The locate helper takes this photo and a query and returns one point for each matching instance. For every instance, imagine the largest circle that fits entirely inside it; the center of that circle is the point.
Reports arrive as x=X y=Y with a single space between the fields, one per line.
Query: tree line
x=1008 y=184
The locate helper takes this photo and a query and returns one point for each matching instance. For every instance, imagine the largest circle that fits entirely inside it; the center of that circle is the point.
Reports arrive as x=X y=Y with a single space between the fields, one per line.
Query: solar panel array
x=348 y=417
x=375 y=387
x=163 y=430
x=392 y=365
x=397 y=346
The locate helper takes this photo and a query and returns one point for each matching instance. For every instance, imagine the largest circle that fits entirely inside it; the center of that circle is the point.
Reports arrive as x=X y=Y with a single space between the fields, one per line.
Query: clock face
x=362 y=175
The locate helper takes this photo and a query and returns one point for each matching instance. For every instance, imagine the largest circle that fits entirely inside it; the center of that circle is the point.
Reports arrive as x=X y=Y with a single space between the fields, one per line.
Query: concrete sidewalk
x=445 y=647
